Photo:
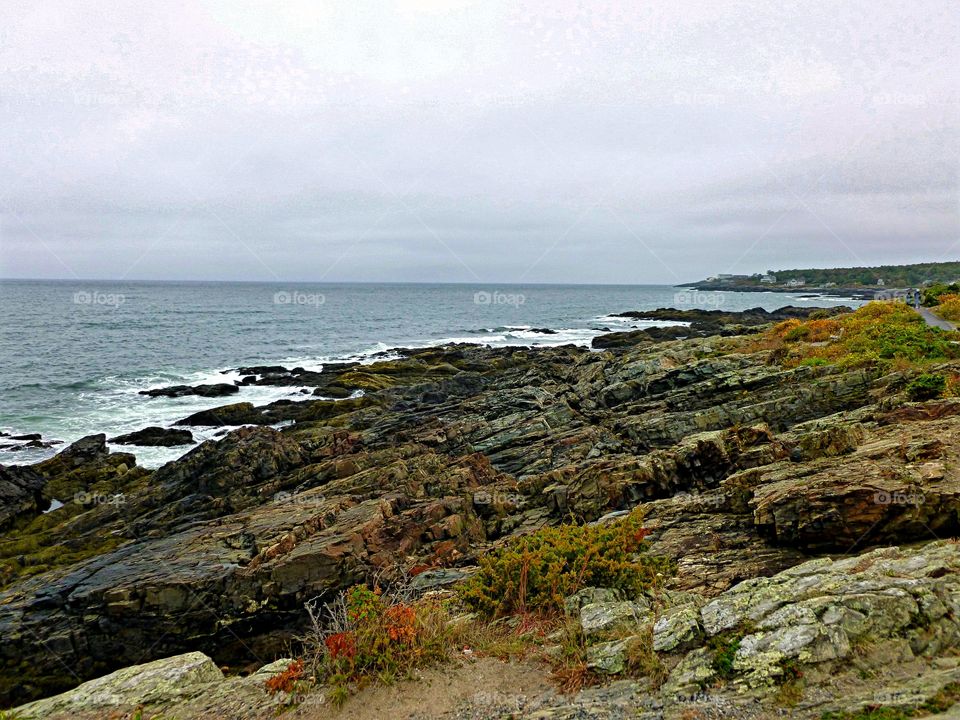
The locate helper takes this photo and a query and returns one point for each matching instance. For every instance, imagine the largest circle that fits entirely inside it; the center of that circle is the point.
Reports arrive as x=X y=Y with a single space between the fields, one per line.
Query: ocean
x=74 y=354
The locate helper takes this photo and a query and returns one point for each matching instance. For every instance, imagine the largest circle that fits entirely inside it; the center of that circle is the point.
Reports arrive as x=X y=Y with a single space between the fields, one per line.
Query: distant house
x=769 y=279
x=796 y=282
x=728 y=278
x=880 y=282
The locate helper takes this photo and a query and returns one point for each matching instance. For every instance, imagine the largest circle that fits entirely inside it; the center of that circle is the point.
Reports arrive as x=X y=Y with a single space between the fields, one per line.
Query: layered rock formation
x=746 y=468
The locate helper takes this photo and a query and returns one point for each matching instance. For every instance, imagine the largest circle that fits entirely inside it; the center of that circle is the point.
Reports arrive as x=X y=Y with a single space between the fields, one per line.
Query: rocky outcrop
x=746 y=469
x=817 y=612
x=21 y=493
x=155 y=436
x=175 y=391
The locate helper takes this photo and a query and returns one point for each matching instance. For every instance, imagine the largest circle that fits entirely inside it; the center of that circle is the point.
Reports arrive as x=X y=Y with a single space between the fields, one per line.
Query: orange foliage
x=284 y=681
x=342 y=645
x=401 y=623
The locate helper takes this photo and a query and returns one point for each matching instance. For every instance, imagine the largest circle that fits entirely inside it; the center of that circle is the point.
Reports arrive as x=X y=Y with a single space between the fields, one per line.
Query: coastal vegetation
x=939 y=293
x=379 y=634
x=882 y=333
x=536 y=572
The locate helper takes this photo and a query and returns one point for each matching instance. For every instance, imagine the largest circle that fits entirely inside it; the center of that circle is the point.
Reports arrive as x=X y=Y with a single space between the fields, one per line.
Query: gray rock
x=678 y=629
x=588 y=595
x=160 y=681
x=605 y=619
x=608 y=658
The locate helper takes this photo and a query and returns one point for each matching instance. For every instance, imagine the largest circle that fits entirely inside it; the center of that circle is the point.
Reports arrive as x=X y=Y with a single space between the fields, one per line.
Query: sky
x=435 y=141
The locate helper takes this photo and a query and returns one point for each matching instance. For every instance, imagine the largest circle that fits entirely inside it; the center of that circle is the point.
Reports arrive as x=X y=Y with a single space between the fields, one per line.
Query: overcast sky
x=632 y=142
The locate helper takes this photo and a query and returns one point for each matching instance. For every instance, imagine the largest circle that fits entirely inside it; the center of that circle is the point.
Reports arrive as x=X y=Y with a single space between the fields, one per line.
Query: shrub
x=933 y=294
x=536 y=572
x=949 y=308
x=366 y=634
x=886 y=333
x=724 y=648
x=926 y=386
x=285 y=681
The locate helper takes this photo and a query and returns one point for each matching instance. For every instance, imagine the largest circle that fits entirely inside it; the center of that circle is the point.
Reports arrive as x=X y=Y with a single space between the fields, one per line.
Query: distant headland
x=855 y=281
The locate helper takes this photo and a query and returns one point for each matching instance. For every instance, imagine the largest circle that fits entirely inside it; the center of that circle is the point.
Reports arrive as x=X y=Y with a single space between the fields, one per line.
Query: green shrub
x=724 y=648
x=879 y=333
x=536 y=572
x=926 y=386
x=801 y=332
x=931 y=295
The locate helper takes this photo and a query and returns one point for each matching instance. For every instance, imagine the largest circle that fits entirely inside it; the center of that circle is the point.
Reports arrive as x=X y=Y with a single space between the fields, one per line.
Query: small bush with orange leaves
x=286 y=681
x=367 y=634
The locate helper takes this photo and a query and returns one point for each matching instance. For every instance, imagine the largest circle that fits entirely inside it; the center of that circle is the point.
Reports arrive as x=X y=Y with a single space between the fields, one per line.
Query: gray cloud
x=411 y=141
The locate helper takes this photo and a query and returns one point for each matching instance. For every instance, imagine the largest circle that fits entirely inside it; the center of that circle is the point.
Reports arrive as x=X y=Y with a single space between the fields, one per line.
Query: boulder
x=607 y=619
x=21 y=493
x=154 y=683
x=608 y=658
x=175 y=391
x=677 y=629
x=816 y=611
x=590 y=595
x=155 y=436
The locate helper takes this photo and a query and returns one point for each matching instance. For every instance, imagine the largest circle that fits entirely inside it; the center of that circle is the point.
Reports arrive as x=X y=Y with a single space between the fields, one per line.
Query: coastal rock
x=155 y=683
x=21 y=493
x=816 y=611
x=601 y=619
x=175 y=391
x=155 y=436
x=621 y=339
x=677 y=629
x=745 y=469
x=242 y=413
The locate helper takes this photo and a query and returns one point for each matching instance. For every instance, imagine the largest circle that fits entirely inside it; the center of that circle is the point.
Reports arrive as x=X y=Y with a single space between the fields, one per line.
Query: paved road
x=934 y=321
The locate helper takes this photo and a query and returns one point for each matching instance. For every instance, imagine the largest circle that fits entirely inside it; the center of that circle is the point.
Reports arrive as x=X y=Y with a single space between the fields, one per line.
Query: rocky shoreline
x=757 y=480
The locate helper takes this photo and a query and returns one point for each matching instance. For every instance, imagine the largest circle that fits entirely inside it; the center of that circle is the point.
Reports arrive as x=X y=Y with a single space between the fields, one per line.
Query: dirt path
x=480 y=688
x=934 y=321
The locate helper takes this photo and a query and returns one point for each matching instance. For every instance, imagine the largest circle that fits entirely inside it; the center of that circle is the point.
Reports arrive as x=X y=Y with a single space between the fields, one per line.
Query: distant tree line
x=901 y=276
